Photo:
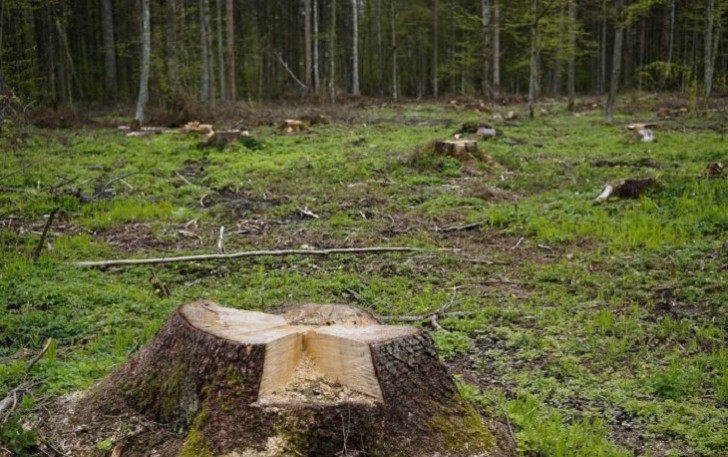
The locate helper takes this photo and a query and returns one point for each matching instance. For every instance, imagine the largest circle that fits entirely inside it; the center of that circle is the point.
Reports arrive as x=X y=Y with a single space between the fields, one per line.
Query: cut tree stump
x=460 y=149
x=291 y=126
x=316 y=380
x=627 y=188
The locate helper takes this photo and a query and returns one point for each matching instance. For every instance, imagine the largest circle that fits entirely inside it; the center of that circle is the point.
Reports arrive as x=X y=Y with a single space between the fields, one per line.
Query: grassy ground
x=591 y=330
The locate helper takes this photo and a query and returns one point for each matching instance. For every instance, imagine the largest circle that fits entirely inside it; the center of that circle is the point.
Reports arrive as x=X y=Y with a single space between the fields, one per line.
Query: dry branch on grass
x=11 y=400
x=236 y=255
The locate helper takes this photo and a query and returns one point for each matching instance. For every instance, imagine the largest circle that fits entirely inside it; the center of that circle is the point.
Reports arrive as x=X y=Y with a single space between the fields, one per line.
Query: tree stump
x=460 y=149
x=291 y=126
x=317 y=380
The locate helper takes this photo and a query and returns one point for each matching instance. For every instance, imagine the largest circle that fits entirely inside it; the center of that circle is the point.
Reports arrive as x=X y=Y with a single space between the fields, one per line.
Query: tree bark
x=602 y=75
x=110 y=82
x=144 y=74
x=172 y=52
x=395 y=76
x=496 y=50
x=355 y=48
x=616 y=61
x=435 y=48
x=308 y=51
x=220 y=51
x=332 y=54
x=315 y=380
x=486 y=13
x=571 y=70
x=207 y=88
x=533 y=61
x=670 y=45
x=230 y=50
x=316 y=73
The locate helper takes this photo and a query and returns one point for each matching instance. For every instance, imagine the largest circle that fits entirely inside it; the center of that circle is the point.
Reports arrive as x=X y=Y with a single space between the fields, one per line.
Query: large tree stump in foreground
x=317 y=380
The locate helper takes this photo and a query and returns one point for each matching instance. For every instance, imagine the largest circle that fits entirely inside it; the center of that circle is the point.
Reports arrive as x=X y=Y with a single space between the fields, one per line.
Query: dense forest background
x=90 y=52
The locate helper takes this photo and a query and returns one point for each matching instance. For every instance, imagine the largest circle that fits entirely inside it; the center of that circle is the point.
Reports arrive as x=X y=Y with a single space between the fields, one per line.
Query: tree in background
x=61 y=52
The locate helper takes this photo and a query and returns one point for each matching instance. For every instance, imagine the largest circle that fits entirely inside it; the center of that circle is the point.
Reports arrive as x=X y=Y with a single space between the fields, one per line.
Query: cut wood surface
x=233 y=381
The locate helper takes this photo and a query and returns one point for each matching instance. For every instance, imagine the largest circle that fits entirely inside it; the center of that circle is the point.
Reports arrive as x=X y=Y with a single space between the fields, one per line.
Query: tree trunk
x=110 y=82
x=332 y=54
x=533 y=61
x=230 y=50
x=316 y=75
x=308 y=51
x=616 y=61
x=709 y=58
x=207 y=88
x=220 y=51
x=602 y=76
x=435 y=46
x=315 y=380
x=395 y=76
x=670 y=45
x=172 y=54
x=355 y=48
x=571 y=70
x=144 y=74
x=496 y=50
x=485 y=11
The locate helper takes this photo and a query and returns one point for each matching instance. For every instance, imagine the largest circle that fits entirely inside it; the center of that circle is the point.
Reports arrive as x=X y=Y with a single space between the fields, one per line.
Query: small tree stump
x=460 y=149
x=220 y=140
x=318 y=380
x=291 y=126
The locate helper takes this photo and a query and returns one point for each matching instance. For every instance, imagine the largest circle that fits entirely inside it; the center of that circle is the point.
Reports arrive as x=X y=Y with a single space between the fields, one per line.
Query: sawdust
x=309 y=386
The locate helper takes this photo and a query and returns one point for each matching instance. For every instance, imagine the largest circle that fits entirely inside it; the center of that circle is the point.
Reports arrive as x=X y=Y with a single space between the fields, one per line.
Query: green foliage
x=17 y=440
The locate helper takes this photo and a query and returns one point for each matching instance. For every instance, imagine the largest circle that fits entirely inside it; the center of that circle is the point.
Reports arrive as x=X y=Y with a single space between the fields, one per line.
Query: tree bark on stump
x=317 y=380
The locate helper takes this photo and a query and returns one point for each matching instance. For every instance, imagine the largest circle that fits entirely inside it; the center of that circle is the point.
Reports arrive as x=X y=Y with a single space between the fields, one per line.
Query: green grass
x=568 y=332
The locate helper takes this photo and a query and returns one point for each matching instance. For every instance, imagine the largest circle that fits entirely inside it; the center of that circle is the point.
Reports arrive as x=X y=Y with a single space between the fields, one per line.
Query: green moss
x=196 y=444
x=463 y=430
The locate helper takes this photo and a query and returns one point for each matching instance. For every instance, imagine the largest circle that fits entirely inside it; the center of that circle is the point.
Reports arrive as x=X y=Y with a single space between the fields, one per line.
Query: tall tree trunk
x=395 y=76
x=230 y=50
x=496 y=50
x=571 y=71
x=355 y=48
x=708 y=52
x=144 y=74
x=332 y=54
x=172 y=52
x=602 y=77
x=670 y=45
x=616 y=61
x=435 y=46
x=207 y=89
x=307 y=47
x=220 y=51
x=316 y=75
x=485 y=10
x=533 y=61
x=107 y=27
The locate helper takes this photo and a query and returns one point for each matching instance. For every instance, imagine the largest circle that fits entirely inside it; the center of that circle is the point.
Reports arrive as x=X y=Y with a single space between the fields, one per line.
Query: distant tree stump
x=291 y=126
x=317 y=380
x=460 y=149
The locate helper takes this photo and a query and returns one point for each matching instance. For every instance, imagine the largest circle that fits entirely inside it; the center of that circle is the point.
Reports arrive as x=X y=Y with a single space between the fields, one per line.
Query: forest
x=92 y=53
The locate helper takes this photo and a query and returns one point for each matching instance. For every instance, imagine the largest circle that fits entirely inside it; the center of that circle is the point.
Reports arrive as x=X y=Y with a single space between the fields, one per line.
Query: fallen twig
x=11 y=400
x=235 y=255
x=307 y=212
x=456 y=228
x=41 y=242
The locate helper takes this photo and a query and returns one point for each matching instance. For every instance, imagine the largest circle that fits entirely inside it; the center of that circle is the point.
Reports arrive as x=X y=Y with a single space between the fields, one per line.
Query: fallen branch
x=456 y=228
x=41 y=242
x=11 y=400
x=235 y=255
